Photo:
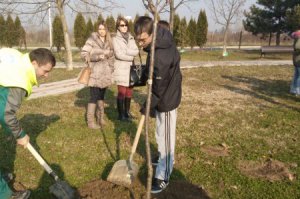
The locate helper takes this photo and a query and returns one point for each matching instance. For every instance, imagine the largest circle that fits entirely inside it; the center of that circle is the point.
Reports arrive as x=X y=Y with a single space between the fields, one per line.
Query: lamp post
x=50 y=25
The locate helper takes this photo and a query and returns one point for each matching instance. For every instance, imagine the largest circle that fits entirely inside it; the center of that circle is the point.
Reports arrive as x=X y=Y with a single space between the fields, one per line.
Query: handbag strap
x=133 y=63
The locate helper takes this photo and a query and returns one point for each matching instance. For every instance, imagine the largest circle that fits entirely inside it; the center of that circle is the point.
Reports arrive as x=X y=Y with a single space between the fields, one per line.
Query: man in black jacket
x=166 y=95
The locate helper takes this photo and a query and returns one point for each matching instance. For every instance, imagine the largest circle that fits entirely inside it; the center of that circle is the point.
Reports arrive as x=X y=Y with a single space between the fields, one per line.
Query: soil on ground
x=271 y=170
x=105 y=190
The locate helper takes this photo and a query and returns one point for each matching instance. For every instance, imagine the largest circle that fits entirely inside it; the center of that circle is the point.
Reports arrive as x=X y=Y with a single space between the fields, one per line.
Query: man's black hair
x=164 y=24
x=42 y=56
x=143 y=24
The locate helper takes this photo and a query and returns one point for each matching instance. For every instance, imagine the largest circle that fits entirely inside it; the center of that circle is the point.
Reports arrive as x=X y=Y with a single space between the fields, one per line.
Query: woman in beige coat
x=125 y=49
x=98 y=50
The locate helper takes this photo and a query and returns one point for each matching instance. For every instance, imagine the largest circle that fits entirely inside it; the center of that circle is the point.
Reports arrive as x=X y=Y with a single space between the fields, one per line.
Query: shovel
x=124 y=171
x=61 y=189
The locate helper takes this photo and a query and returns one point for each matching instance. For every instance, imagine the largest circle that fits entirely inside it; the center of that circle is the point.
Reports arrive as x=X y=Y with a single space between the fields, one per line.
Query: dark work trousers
x=96 y=94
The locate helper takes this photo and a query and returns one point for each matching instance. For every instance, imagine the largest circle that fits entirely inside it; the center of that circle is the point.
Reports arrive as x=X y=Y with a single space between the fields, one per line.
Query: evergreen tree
x=2 y=30
x=293 y=19
x=96 y=24
x=131 y=27
x=201 y=30
x=9 y=32
x=79 y=30
x=58 y=33
x=183 y=36
x=23 y=38
x=267 y=17
x=18 y=31
x=111 y=24
x=176 y=29
x=136 y=18
x=89 y=28
x=191 y=31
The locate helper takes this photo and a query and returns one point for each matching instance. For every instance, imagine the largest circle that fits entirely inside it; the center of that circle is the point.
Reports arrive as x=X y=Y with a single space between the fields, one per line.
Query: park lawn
x=246 y=110
x=233 y=55
x=58 y=74
x=209 y=55
x=201 y=55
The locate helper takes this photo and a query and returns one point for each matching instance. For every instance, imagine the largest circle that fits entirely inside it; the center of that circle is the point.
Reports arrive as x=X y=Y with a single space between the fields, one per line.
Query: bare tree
x=154 y=9
x=225 y=13
x=174 y=5
x=40 y=8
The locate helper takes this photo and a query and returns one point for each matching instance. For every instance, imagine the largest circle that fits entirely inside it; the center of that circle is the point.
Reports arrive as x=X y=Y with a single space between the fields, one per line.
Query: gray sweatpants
x=165 y=138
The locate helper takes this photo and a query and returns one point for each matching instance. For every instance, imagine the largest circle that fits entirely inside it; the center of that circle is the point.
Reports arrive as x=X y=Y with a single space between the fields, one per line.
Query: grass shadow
x=46 y=181
x=34 y=124
x=265 y=90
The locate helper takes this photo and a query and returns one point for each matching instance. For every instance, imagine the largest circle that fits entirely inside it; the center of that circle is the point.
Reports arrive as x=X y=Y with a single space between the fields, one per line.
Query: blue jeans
x=295 y=85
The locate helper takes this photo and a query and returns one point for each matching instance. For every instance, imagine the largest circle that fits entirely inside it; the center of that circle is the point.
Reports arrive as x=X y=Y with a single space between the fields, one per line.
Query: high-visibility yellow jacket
x=17 y=77
x=16 y=70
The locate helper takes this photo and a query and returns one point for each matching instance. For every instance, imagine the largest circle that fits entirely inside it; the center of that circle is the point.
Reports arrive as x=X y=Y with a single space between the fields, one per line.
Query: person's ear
x=34 y=63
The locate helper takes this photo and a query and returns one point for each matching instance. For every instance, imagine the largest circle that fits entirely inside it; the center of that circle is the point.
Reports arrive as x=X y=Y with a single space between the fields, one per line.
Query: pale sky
x=131 y=7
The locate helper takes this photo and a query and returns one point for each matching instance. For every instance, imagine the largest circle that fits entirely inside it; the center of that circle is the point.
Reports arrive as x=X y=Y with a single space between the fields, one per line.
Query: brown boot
x=100 y=113
x=90 y=116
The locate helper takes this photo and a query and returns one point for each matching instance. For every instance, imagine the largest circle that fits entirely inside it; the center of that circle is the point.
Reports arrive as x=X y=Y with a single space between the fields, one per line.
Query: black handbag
x=138 y=74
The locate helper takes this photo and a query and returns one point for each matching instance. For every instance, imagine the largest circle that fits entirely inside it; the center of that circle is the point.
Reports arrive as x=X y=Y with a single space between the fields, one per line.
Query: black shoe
x=121 y=110
x=20 y=194
x=127 y=114
x=158 y=185
x=155 y=161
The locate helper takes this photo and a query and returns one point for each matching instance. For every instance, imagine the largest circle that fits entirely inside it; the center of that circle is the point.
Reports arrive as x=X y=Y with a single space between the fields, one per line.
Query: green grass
x=58 y=74
x=248 y=108
x=202 y=55
x=234 y=55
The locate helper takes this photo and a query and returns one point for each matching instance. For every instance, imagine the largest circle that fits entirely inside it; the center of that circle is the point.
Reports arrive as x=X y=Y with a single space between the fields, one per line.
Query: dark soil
x=271 y=170
x=106 y=190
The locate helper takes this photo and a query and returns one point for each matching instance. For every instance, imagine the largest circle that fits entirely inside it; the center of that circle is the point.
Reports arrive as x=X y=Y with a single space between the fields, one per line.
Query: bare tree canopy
x=225 y=13
x=40 y=8
x=20 y=7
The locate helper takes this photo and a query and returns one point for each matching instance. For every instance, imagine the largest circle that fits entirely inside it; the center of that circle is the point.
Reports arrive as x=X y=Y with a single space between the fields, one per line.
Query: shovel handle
x=137 y=137
x=42 y=162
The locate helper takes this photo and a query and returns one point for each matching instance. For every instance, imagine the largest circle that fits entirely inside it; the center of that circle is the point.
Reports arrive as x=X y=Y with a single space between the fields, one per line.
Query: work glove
x=152 y=111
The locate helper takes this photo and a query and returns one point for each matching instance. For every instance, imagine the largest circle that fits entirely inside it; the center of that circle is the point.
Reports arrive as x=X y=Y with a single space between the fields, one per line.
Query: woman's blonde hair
x=107 y=36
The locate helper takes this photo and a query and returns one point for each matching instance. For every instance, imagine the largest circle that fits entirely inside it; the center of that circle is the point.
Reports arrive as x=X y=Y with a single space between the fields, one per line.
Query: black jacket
x=167 y=78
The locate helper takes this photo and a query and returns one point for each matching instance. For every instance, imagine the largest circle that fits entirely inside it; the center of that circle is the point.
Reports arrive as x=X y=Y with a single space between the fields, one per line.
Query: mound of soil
x=271 y=170
x=106 y=190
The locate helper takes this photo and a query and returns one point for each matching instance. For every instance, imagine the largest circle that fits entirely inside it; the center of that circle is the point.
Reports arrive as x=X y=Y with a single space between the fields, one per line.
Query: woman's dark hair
x=164 y=24
x=143 y=24
x=119 y=19
x=42 y=56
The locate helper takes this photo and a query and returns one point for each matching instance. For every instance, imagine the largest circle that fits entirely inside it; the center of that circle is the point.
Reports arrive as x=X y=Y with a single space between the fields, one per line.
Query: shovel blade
x=62 y=190
x=123 y=173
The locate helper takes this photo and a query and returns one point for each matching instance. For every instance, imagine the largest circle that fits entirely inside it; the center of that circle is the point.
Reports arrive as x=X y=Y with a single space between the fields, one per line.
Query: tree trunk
x=278 y=39
x=240 y=41
x=225 y=41
x=172 y=13
x=66 y=34
x=270 y=39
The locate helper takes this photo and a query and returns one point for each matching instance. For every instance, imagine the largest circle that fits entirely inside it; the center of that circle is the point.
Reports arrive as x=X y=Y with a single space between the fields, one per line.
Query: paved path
x=70 y=85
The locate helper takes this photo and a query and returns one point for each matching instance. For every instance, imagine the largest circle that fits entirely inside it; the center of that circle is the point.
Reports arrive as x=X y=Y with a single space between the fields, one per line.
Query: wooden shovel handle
x=137 y=137
x=42 y=162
